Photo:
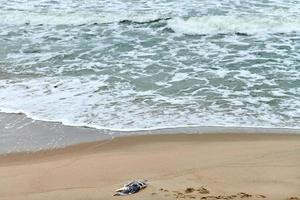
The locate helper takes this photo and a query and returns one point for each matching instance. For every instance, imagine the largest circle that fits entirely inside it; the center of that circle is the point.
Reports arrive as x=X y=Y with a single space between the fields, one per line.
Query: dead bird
x=131 y=188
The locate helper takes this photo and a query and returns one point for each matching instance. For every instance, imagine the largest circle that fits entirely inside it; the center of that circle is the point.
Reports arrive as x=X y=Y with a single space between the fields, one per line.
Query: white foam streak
x=235 y=24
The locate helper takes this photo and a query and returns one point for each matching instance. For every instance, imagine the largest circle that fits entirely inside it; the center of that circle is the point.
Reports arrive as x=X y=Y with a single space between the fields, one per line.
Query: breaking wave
x=204 y=25
x=234 y=24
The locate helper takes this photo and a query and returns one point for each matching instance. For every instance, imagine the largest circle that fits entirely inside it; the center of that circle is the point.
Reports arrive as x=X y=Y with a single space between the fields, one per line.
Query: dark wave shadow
x=129 y=22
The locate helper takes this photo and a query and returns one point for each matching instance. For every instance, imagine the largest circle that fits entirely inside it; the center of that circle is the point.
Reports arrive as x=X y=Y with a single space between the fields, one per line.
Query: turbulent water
x=128 y=64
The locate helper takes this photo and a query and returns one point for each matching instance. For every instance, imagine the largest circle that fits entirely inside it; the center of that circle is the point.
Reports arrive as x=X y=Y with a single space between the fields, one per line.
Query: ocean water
x=148 y=64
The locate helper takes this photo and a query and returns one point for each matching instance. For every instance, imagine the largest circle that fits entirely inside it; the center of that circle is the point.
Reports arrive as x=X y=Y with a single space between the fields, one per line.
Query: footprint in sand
x=293 y=198
x=163 y=190
x=189 y=190
x=202 y=193
x=260 y=196
x=203 y=190
x=191 y=196
x=244 y=195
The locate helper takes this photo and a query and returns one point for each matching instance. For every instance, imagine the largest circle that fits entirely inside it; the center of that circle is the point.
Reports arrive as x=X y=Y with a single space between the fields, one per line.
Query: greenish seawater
x=128 y=65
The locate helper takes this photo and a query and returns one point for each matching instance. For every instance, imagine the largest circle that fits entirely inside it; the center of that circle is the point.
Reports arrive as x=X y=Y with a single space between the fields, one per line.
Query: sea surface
x=148 y=64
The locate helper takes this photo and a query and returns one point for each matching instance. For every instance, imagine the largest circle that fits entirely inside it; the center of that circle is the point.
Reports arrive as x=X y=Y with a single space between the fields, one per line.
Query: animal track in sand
x=202 y=193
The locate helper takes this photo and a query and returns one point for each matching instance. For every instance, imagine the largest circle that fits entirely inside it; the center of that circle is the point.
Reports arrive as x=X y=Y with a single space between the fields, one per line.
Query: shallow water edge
x=19 y=133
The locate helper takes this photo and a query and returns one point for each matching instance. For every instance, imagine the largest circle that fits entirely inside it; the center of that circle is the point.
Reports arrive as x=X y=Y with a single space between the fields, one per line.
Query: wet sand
x=19 y=133
x=181 y=166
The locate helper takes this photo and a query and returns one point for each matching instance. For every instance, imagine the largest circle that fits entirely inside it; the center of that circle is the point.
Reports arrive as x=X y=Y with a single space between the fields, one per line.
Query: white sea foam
x=64 y=18
x=82 y=101
x=235 y=24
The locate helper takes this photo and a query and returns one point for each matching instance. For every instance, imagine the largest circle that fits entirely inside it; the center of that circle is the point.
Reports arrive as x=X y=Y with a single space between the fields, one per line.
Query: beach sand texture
x=181 y=166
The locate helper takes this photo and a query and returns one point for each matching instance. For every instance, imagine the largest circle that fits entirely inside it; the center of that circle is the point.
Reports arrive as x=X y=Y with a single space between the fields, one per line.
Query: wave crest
x=234 y=25
x=205 y=25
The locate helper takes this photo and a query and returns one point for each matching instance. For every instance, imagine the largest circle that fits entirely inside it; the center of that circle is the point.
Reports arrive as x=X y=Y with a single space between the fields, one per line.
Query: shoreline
x=263 y=166
x=23 y=134
x=165 y=129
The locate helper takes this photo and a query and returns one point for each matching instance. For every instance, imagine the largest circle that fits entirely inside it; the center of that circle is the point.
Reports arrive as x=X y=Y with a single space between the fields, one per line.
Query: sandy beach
x=214 y=166
x=199 y=98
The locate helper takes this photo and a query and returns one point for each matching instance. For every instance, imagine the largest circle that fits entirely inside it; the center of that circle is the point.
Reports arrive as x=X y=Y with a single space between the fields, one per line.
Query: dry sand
x=228 y=166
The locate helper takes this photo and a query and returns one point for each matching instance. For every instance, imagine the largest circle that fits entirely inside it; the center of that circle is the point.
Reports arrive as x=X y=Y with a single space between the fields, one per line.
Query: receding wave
x=234 y=25
x=205 y=25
